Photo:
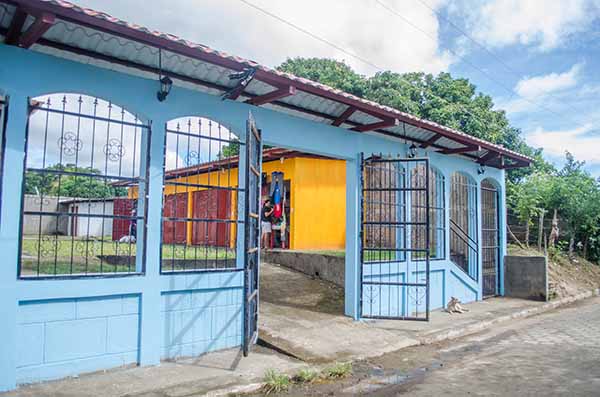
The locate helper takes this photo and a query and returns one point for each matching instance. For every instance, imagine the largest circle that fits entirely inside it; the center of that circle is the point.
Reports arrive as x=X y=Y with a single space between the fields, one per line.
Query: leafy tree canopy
x=70 y=185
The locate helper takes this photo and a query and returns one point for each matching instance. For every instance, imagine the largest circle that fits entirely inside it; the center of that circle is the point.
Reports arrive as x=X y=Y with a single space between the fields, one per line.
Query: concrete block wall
x=200 y=321
x=62 y=337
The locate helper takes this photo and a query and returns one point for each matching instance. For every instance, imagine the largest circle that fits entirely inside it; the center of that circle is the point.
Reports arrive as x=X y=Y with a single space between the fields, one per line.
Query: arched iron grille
x=200 y=202
x=464 y=247
x=490 y=244
x=82 y=156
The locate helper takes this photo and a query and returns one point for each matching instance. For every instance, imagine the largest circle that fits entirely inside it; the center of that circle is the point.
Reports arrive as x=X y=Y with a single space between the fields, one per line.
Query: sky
x=538 y=59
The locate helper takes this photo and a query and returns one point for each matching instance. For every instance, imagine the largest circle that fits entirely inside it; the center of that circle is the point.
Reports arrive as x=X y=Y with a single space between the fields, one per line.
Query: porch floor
x=303 y=317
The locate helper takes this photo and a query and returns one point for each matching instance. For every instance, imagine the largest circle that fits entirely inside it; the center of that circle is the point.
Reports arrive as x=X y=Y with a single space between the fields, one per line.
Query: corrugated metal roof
x=94 y=37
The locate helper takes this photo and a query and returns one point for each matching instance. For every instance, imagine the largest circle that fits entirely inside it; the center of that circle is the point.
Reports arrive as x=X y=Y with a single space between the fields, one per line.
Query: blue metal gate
x=395 y=238
x=252 y=232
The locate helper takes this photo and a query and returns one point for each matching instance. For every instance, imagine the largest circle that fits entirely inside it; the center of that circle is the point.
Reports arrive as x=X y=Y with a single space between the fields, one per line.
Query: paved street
x=549 y=355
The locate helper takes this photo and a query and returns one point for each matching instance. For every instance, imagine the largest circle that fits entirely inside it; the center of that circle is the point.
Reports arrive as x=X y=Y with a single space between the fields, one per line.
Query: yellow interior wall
x=318 y=199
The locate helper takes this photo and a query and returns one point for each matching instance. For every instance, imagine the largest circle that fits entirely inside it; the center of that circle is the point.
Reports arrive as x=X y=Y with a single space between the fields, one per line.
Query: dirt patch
x=565 y=277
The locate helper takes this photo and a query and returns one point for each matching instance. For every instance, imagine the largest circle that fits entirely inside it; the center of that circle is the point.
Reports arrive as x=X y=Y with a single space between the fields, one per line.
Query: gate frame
x=408 y=235
x=498 y=247
x=251 y=248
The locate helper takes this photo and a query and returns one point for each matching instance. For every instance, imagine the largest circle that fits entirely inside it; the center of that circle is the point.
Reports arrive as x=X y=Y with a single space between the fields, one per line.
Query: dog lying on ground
x=454 y=306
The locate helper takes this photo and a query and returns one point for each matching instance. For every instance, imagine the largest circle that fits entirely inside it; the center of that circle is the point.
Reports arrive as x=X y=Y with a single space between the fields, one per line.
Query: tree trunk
x=541 y=230
x=512 y=235
x=571 y=245
x=555 y=232
x=585 y=247
x=527 y=233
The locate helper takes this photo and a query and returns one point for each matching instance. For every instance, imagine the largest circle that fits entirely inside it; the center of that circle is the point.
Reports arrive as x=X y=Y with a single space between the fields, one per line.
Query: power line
x=484 y=48
x=316 y=37
x=490 y=77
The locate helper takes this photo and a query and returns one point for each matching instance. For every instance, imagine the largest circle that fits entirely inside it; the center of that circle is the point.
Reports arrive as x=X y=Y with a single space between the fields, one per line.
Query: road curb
x=454 y=333
x=444 y=335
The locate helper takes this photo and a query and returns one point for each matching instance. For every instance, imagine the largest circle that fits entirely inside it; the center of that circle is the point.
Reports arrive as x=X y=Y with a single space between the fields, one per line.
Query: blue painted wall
x=177 y=314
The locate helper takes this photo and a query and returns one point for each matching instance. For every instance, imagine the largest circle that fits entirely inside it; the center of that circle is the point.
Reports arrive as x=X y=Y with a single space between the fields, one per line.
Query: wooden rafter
x=464 y=149
x=489 y=156
x=272 y=96
x=430 y=141
x=36 y=30
x=16 y=25
x=344 y=116
x=374 y=126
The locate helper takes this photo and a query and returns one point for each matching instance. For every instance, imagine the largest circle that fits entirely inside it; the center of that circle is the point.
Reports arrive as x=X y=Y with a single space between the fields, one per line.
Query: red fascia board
x=269 y=77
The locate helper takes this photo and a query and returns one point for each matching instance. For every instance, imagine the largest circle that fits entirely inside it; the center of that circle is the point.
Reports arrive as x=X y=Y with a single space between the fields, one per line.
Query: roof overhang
x=64 y=29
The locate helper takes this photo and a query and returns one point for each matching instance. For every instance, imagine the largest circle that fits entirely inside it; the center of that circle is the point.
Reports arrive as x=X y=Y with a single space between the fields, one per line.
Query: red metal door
x=212 y=204
x=175 y=207
x=122 y=207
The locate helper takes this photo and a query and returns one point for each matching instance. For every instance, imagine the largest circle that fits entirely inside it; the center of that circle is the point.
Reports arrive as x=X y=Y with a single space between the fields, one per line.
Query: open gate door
x=395 y=238
x=252 y=232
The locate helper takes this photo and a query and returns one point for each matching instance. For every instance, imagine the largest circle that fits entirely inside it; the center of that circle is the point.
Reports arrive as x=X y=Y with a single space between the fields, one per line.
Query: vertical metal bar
x=247 y=280
x=361 y=234
x=427 y=242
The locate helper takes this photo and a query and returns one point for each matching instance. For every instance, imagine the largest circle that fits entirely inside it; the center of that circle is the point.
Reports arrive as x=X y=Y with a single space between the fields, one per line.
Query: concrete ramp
x=304 y=317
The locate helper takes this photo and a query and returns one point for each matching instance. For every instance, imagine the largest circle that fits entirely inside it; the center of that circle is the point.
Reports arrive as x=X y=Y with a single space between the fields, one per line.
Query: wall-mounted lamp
x=165 y=81
x=165 y=88
x=412 y=151
x=481 y=169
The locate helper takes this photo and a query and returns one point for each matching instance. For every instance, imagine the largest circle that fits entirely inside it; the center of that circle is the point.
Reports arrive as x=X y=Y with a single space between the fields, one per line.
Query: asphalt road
x=554 y=354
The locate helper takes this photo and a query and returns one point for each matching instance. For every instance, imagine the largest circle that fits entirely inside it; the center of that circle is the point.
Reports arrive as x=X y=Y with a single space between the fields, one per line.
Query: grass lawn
x=66 y=255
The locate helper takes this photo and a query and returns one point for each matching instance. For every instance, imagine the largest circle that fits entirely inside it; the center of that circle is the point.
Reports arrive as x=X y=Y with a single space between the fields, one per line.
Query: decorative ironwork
x=395 y=275
x=69 y=144
x=200 y=218
x=464 y=248
x=81 y=221
x=114 y=149
x=193 y=158
x=47 y=246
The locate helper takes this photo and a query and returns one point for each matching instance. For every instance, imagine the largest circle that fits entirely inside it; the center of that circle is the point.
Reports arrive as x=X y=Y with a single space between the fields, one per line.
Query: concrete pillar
x=352 y=282
x=150 y=321
x=12 y=181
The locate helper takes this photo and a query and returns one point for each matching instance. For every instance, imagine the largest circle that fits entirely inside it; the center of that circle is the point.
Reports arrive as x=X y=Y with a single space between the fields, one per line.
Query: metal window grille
x=464 y=246
x=200 y=196
x=490 y=244
x=437 y=213
x=82 y=154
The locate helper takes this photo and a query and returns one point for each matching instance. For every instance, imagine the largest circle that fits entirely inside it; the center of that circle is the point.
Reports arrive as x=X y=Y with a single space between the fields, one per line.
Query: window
x=463 y=223
x=437 y=218
x=83 y=154
x=200 y=196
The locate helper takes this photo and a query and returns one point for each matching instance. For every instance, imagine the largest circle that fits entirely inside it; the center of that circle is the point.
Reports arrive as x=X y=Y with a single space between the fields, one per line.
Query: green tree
x=67 y=185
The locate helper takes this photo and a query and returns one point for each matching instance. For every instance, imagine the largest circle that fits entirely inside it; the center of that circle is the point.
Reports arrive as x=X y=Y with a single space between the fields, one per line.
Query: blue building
x=91 y=106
